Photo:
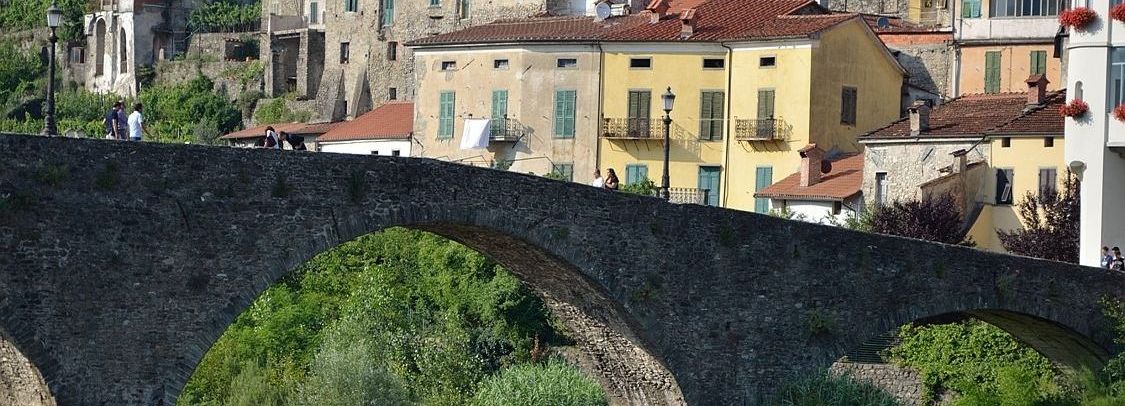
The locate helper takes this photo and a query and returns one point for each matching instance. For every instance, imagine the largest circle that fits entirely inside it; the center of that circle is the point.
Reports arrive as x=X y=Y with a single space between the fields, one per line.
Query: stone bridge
x=121 y=263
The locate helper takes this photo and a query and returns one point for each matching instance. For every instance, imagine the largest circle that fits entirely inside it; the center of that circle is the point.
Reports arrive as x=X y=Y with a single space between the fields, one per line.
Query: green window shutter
x=992 y=72
x=564 y=113
x=764 y=178
x=718 y=108
x=464 y=8
x=970 y=9
x=1038 y=62
x=640 y=103
x=848 y=100
x=445 y=114
x=388 y=12
x=706 y=107
x=499 y=104
x=709 y=181
x=635 y=174
x=765 y=103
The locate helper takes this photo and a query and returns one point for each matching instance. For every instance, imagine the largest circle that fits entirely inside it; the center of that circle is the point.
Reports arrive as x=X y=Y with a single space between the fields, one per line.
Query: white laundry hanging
x=476 y=133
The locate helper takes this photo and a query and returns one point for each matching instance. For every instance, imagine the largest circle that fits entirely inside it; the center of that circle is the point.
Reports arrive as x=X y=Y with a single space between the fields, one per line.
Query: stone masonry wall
x=115 y=285
x=20 y=383
x=909 y=165
x=903 y=383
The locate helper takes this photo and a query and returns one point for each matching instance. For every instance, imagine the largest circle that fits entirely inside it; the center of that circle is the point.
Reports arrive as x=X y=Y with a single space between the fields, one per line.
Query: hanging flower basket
x=1075 y=109
x=1119 y=112
x=1077 y=18
x=1118 y=12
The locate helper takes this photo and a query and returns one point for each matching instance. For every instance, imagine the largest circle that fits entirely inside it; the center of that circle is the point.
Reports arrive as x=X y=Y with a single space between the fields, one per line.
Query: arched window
x=99 y=48
x=123 y=51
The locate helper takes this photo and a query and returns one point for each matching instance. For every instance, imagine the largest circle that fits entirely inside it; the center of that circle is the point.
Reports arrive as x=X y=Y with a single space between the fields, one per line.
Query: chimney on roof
x=1036 y=89
x=960 y=161
x=657 y=9
x=687 y=23
x=919 y=117
x=812 y=158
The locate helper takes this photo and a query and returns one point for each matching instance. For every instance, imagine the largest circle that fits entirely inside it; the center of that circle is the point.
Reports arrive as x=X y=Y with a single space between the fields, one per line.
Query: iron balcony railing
x=633 y=128
x=506 y=130
x=762 y=129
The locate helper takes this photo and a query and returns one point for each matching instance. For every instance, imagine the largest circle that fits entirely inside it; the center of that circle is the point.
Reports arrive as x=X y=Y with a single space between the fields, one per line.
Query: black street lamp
x=669 y=99
x=54 y=18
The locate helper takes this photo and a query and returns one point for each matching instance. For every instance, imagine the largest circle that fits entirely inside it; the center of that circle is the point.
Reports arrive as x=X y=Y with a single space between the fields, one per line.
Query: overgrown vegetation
x=643 y=187
x=1050 y=224
x=18 y=15
x=398 y=317
x=277 y=111
x=551 y=383
x=829 y=390
x=225 y=16
x=933 y=218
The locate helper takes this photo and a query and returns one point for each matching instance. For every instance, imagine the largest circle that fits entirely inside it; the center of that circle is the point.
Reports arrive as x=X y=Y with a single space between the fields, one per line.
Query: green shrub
x=276 y=111
x=18 y=15
x=553 y=383
x=225 y=16
x=643 y=187
x=829 y=390
x=346 y=372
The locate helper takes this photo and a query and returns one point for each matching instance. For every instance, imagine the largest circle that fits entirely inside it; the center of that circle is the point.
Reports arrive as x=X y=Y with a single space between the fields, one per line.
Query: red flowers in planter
x=1075 y=109
x=1118 y=12
x=1077 y=18
x=1119 y=112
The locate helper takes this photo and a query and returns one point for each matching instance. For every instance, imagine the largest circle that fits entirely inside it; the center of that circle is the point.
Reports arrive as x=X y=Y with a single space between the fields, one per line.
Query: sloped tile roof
x=979 y=114
x=394 y=120
x=842 y=182
x=260 y=131
x=715 y=20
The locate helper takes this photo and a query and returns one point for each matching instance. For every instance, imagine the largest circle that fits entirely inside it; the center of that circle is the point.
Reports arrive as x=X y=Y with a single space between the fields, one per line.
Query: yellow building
x=999 y=43
x=763 y=81
x=987 y=151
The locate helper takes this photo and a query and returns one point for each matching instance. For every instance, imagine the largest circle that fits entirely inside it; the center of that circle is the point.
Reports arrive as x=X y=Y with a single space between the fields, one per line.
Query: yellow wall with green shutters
x=681 y=68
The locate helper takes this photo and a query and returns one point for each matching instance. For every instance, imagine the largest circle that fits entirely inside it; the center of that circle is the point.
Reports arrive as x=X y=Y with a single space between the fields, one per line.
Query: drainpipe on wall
x=598 y=119
x=724 y=191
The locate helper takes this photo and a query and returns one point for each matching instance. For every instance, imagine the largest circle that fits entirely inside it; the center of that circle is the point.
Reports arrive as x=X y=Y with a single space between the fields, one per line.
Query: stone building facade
x=348 y=55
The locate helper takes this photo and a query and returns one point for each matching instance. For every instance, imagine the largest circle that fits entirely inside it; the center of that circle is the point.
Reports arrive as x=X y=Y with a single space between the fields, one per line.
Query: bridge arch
x=21 y=382
x=131 y=258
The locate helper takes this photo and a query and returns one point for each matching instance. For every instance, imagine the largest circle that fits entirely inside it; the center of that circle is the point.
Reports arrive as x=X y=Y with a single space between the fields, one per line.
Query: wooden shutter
x=706 y=107
x=640 y=102
x=709 y=180
x=499 y=104
x=718 y=106
x=992 y=72
x=848 y=105
x=564 y=113
x=1038 y=62
x=763 y=180
x=1047 y=181
x=765 y=103
x=445 y=114
x=388 y=12
x=970 y=9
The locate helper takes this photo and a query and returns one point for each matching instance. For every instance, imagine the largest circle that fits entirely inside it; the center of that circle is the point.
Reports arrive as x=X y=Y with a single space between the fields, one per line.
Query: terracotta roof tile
x=393 y=120
x=842 y=182
x=979 y=114
x=716 y=20
x=260 y=131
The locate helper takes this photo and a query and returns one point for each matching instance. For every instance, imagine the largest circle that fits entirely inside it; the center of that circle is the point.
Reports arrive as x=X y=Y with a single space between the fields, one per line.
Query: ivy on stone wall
x=225 y=16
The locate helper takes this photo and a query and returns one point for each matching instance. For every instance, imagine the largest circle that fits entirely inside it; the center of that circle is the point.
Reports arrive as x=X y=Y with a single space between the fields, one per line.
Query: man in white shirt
x=598 y=181
x=136 y=123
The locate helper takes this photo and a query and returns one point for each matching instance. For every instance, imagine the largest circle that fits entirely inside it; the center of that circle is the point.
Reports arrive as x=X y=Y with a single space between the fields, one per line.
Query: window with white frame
x=1026 y=8
x=1117 y=78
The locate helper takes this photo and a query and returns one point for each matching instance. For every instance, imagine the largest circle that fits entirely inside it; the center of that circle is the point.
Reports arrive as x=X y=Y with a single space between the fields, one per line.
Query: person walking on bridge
x=137 y=123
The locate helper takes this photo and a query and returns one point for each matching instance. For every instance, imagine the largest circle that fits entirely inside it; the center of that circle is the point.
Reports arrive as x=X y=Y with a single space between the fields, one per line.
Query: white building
x=825 y=191
x=124 y=34
x=1095 y=142
x=388 y=130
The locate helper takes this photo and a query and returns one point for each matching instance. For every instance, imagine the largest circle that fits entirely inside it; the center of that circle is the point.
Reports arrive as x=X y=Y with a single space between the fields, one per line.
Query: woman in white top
x=598 y=181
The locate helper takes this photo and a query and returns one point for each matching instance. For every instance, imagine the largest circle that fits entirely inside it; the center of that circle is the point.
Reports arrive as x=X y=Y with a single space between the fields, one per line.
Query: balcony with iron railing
x=761 y=129
x=506 y=130
x=632 y=128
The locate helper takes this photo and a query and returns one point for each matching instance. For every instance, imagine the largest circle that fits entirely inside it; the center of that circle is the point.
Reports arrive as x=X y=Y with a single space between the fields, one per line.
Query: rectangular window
x=1038 y=63
x=880 y=189
x=351 y=6
x=375 y=152
x=767 y=61
x=640 y=63
x=1049 y=142
x=345 y=52
x=1026 y=8
x=970 y=9
x=1004 y=178
x=848 y=100
x=392 y=51
x=766 y=128
x=445 y=114
x=448 y=65
x=500 y=64
x=640 y=103
x=709 y=182
x=714 y=63
x=435 y=3
x=1116 y=78
x=1048 y=181
x=711 y=108
x=392 y=93
x=763 y=178
x=837 y=207
x=464 y=11
x=992 y=72
x=395 y=152
x=1006 y=142
x=314 y=13
x=388 y=12
x=563 y=171
x=566 y=63
x=564 y=113
x=635 y=174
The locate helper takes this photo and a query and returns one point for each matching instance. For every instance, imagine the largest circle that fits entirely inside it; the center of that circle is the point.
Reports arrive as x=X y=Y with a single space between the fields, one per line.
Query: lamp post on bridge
x=54 y=19
x=669 y=99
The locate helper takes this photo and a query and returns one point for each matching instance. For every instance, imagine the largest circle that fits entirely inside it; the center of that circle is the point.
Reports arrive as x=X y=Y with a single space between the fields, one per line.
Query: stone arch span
x=21 y=382
x=124 y=261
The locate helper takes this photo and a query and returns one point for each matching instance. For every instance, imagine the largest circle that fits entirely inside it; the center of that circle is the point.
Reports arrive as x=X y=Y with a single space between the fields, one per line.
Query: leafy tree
x=1050 y=225
x=277 y=111
x=347 y=372
x=19 y=15
x=830 y=390
x=643 y=187
x=933 y=218
x=553 y=383
x=21 y=73
x=173 y=111
x=225 y=16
